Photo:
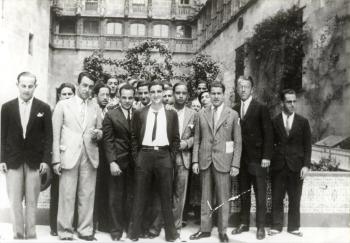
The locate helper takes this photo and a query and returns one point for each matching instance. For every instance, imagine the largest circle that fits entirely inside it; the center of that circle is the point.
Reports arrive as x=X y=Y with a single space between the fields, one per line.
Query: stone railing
x=117 y=43
x=184 y=11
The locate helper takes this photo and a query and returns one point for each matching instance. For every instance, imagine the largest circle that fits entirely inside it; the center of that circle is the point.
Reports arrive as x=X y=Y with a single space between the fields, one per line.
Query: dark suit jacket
x=139 y=126
x=257 y=137
x=37 y=147
x=117 y=138
x=295 y=149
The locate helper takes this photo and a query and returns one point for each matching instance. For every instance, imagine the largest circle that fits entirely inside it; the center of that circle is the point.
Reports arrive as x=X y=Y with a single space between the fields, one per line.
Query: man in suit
x=290 y=163
x=26 y=143
x=77 y=127
x=183 y=157
x=117 y=144
x=216 y=154
x=155 y=143
x=101 y=212
x=257 y=139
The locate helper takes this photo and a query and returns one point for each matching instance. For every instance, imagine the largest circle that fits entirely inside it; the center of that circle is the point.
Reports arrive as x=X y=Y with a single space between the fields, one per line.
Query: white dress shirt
x=290 y=120
x=161 y=132
x=245 y=104
x=181 y=116
x=24 y=111
x=125 y=112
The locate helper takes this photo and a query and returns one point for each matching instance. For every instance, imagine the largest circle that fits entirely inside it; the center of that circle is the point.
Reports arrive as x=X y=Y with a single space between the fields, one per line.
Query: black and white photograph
x=175 y=121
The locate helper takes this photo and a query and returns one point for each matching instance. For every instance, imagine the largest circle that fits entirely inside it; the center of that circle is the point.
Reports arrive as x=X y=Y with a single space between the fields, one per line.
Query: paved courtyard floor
x=312 y=235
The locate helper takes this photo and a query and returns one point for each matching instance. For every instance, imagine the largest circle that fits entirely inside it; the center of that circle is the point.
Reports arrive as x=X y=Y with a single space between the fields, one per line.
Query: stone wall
x=18 y=20
x=317 y=15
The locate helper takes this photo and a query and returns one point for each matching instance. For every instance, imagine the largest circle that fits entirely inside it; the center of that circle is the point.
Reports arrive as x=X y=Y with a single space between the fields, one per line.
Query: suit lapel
x=209 y=117
x=33 y=112
x=73 y=105
x=168 y=124
x=186 y=120
x=17 y=114
x=281 y=125
x=143 y=120
x=294 y=125
x=224 y=113
x=250 y=110
x=121 y=118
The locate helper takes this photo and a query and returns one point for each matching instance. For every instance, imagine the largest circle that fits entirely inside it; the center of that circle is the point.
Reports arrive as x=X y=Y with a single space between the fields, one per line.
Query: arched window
x=183 y=31
x=114 y=28
x=161 y=30
x=137 y=29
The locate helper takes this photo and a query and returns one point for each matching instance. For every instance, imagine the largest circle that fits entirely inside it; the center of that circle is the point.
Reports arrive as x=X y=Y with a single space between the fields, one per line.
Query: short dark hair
x=200 y=96
x=126 y=86
x=85 y=74
x=217 y=85
x=249 y=78
x=27 y=74
x=61 y=87
x=155 y=83
x=178 y=84
x=142 y=83
x=99 y=86
x=167 y=88
x=286 y=91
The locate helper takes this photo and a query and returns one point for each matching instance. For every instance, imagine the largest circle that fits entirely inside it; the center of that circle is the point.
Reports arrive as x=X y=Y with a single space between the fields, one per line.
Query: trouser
x=157 y=163
x=54 y=202
x=259 y=184
x=23 y=182
x=283 y=181
x=210 y=177
x=120 y=200
x=180 y=191
x=78 y=184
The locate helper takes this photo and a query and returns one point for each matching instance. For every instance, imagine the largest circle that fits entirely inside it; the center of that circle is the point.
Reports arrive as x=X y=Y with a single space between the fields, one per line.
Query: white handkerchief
x=229 y=147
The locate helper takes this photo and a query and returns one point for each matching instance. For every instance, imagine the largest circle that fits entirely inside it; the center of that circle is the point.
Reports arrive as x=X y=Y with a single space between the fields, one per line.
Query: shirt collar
x=219 y=108
x=80 y=100
x=247 y=101
x=285 y=116
x=29 y=102
x=160 y=110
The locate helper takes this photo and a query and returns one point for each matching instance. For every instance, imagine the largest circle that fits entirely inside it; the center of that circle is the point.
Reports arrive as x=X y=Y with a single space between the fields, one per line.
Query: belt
x=154 y=148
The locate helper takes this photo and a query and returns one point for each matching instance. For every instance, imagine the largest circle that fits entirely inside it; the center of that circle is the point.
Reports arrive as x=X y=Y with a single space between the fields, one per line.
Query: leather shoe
x=66 y=238
x=260 y=233
x=241 y=228
x=152 y=235
x=87 y=237
x=223 y=237
x=200 y=235
x=133 y=239
x=116 y=237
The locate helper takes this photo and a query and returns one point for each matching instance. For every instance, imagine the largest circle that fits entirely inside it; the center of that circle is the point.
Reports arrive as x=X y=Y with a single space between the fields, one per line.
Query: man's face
x=289 y=103
x=216 y=96
x=26 y=87
x=85 y=88
x=143 y=94
x=180 y=94
x=112 y=83
x=168 y=97
x=126 y=98
x=244 y=89
x=156 y=93
x=201 y=88
x=103 y=97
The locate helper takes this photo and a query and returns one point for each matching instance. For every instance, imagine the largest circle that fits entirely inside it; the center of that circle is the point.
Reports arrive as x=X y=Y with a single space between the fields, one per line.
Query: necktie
x=82 y=111
x=243 y=111
x=154 y=126
x=288 y=125
x=25 y=117
x=214 y=116
x=129 y=118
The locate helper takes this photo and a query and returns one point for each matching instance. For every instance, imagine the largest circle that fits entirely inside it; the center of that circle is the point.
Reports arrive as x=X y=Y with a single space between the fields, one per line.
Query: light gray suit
x=217 y=150
x=78 y=154
x=183 y=163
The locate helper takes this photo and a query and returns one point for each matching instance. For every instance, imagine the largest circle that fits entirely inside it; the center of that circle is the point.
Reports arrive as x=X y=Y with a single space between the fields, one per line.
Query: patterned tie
x=215 y=113
x=154 y=126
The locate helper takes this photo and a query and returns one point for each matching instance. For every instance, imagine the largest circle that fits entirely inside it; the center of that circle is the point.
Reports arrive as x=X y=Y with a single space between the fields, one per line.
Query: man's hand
x=57 y=169
x=115 y=169
x=265 y=163
x=3 y=167
x=234 y=171
x=183 y=145
x=43 y=168
x=303 y=172
x=195 y=168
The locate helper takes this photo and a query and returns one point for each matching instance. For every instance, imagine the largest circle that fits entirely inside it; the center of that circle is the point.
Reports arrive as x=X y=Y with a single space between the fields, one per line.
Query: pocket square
x=40 y=114
x=190 y=126
x=63 y=148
